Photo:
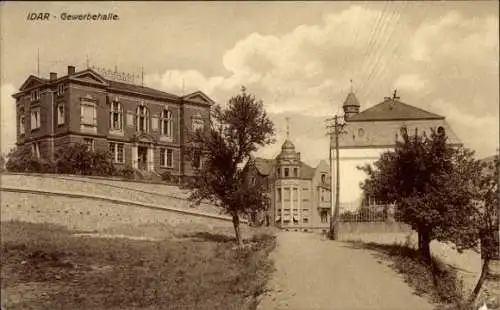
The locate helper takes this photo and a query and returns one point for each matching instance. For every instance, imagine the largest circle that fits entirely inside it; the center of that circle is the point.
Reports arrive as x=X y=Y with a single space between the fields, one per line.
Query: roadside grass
x=46 y=267
x=437 y=281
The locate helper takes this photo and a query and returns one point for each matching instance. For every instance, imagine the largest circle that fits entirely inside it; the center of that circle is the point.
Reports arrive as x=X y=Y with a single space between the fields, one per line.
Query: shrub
x=21 y=159
x=127 y=172
x=76 y=158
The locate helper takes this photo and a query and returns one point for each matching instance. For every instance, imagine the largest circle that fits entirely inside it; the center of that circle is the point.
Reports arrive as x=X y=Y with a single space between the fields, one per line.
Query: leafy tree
x=416 y=176
x=234 y=133
x=479 y=231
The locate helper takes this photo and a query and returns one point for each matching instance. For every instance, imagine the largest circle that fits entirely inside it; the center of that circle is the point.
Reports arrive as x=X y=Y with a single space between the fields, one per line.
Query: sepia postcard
x=298 y=155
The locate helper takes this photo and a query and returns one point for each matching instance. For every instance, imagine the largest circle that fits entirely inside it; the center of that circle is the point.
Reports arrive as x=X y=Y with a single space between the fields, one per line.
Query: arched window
x=167 y=123
x=116 y=116
x=142 y=119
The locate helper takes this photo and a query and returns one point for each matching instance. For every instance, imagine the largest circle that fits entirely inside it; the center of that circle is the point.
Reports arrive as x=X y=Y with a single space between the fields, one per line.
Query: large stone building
x=143 y=128
x=369 y=133
x=299 y=194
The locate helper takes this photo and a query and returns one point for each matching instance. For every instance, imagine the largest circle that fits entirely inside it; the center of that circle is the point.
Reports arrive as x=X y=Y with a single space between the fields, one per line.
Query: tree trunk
x=479 y=284
x=236 y=225
x=424 y=245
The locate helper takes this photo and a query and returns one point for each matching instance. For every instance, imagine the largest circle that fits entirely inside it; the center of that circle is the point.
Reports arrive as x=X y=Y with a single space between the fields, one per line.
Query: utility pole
x=335 y=129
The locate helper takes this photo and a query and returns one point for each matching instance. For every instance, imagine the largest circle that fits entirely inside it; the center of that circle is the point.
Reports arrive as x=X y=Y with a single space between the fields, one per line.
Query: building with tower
x=369 y=133
x=143 y=128
x=299 y=194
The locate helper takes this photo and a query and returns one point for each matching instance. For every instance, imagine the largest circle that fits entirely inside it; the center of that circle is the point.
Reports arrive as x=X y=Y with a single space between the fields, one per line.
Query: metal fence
x=371 y=213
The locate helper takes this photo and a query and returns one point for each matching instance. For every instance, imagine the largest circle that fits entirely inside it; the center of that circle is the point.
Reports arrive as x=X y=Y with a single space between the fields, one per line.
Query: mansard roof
x=266 y=167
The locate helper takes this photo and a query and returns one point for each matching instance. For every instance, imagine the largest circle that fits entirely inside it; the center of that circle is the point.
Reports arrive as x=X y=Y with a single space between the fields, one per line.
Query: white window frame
x=60 y=113
x=61 y=88
x=115 y=152
x=35 y=95
x=142 y=114
x=88 y=123
x=35 y=148
x=167 y=123
x=91 y=144
x=35 y=118
x=197 y=124
x=196 y=153
x=164 y=155
x=116 y=109
x=22 y=127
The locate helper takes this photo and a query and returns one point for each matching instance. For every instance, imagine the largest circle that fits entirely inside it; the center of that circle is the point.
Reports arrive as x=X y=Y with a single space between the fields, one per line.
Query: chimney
x=53 y=76
x=71 y=70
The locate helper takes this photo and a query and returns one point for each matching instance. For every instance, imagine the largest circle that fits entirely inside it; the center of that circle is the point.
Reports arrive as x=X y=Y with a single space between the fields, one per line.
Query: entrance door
x=142 y=157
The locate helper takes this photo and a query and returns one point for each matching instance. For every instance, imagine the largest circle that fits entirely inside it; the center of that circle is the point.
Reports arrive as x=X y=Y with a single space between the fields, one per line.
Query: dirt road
x=314 y=273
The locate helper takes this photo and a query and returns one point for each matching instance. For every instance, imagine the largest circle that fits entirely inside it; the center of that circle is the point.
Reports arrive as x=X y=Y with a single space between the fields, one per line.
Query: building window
x=324 y=217
x=142 y=119
x=197 y=123
x=116 y=150
x=323 y=178
x=167 y=123
x=305 y=220
x=295 y=172
x=278 y=194
x=35 y=149
x=116 y=116
x=60 y=89
x=60 y=114
x=35 y=118
x=167 y=157
x=89 y=143
x=35 y=95
x=21 y=122
x=88 y=114
x=196 y=159
x=295 y=194
x=305 y=194
x=287 y=194
x=286 y=173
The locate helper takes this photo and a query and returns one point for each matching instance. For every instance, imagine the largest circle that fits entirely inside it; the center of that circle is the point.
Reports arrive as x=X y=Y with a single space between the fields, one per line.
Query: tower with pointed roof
x=288 y=159
x=351 y=104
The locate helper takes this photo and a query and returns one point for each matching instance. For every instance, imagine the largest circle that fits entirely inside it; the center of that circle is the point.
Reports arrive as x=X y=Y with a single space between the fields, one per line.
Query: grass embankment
x=437 y=281
x=47 y=267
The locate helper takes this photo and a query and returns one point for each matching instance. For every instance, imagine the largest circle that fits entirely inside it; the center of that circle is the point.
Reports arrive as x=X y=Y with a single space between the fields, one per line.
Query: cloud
x=410 y=82
x=8 y=118
x=306 y=71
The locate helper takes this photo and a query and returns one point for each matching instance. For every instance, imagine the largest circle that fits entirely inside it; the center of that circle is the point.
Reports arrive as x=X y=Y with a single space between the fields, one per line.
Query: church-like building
x=369 y=133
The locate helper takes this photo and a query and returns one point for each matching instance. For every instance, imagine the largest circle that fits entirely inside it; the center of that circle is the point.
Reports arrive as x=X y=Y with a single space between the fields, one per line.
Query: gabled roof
x=199 y=97
x=32 y=81
x=391 y=109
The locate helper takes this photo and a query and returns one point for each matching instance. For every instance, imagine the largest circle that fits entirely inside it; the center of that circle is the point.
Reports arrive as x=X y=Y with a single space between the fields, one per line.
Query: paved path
x=314 y=273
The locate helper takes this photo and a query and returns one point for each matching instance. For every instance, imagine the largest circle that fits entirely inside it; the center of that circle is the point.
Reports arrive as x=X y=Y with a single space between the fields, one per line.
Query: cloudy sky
x=297 y=57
